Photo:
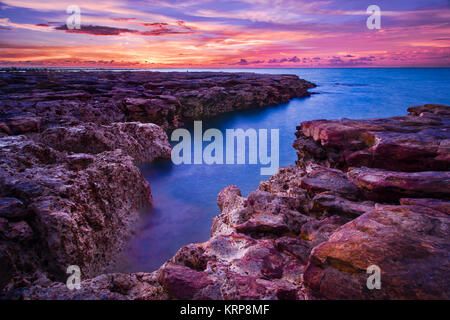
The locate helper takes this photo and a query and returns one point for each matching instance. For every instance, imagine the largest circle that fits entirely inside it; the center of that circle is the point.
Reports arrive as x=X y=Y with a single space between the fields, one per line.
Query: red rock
x=322 y=179
x=437 y=109
x=184 y=283
x=15 y=231
x=4 y=127
x=439 y=205
x=137 y=286
x=263 y=224
x=228 y=197
x=417 y=142
x=164 y=98
x=192 y=256
x=390 y=185
x=328 y=204
x=298 y=247
x=408 y=243
x=318 y=231
x=21 y=125
x=249 y=288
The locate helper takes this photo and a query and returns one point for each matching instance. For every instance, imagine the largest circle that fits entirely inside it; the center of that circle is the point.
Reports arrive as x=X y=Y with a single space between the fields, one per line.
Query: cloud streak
x=241 y=33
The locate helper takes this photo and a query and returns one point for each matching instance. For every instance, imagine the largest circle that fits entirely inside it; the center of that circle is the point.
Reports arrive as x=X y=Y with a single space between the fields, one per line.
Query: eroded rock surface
x=64 y=208
x=364 y=192
x=410 y=245
x=136 y=286
x=312 y=232
x=70 y=192
x=144 y=142
x=35 y=100
x=402 y=164
x=419 y=141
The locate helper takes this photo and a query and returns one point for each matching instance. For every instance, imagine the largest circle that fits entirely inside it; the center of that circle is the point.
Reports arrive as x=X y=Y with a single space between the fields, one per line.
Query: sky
x=225 y=34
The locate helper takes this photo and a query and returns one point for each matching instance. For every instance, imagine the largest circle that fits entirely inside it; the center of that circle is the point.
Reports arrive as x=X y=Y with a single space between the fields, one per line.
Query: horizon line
x=226 y=68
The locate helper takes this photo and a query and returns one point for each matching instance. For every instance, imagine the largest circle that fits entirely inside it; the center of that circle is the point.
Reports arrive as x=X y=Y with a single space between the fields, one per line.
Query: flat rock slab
x=410 y=245
x=383 y=185
x=419 y=141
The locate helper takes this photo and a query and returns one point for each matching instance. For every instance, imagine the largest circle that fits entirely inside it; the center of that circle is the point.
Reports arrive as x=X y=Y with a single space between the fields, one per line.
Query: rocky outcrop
x=410 y=245
x=383 y=185
x=71 y=196
x=402 y=164
x=312 y=232
x=417 y=142
x=143 y=142
x=35 y=100
x=363 y=193
x=70 y=192
x=260 y=245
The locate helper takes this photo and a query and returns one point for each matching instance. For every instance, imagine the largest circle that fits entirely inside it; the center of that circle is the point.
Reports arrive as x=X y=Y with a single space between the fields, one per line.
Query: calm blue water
x=185 y=195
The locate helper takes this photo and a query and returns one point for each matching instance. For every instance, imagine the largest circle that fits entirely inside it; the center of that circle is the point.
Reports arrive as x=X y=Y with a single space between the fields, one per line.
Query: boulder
x=408 y=243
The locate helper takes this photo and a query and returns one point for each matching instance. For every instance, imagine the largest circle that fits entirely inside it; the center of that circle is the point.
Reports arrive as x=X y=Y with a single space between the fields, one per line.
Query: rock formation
x=36 y=100
x=363 y=193
x=61 y=206
x=312 y=230
x=70 y=192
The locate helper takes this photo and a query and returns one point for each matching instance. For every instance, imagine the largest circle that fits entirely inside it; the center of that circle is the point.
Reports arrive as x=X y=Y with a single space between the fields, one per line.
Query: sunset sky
x=225 y=34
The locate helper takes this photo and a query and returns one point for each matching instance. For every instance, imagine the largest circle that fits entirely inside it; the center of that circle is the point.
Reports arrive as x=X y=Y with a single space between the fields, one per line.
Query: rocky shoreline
x=70 y=191
x=35 y=100
x=363 y=192
x=311 y=230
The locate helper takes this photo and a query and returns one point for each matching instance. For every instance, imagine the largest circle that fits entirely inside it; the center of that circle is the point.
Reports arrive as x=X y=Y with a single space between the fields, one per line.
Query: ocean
x=185 y=195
